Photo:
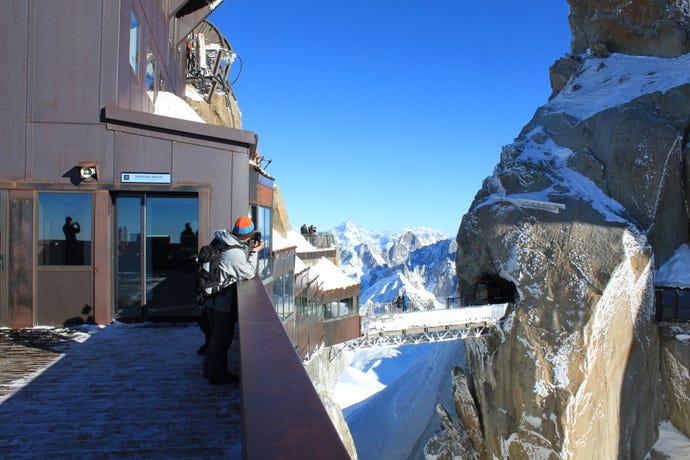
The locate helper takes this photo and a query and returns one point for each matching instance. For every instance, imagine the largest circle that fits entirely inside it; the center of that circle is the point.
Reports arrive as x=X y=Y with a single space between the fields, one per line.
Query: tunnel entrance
x=494 y=289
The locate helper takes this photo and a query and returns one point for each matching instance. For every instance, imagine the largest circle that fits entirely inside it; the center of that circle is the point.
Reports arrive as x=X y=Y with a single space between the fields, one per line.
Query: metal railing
x=282 y=414
x=672 y=304
x=319 y=240
x=383 y=308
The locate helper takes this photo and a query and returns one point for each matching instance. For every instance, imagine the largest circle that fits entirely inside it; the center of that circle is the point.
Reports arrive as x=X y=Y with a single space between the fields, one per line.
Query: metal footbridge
x=394 y=329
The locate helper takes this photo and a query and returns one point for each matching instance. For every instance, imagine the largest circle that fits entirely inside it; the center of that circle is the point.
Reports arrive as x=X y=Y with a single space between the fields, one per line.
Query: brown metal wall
x=20 y=258
x=342 y=329
x=14 y=25
x=64 y=61
x=102 y=261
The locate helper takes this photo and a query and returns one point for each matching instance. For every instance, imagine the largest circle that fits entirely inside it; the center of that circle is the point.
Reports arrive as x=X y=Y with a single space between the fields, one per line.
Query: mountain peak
x=416 y=260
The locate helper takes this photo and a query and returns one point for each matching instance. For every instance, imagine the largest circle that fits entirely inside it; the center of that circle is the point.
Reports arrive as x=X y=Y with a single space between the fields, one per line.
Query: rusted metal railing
x=282 y=414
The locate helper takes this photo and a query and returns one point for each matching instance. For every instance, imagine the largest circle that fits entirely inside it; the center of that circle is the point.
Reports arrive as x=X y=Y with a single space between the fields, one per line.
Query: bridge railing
x=376 y=320
x=381 y=308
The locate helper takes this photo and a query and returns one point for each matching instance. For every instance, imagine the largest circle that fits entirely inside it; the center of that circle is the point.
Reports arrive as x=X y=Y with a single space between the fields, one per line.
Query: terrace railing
x=672 y=304
x=282 y=414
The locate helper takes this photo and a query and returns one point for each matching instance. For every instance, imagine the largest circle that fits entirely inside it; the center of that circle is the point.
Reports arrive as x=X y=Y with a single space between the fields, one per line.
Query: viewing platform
x=393 y=329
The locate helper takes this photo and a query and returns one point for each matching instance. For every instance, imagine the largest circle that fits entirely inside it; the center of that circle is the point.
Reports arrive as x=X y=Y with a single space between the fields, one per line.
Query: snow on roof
x=170 y=105
x=330 y=276
x=279 y=242
x=299 y=266
x=295 y=238
x=676 y=271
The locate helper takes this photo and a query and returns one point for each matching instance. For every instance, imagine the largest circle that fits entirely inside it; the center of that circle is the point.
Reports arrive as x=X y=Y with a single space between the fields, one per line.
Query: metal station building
x=103 y=202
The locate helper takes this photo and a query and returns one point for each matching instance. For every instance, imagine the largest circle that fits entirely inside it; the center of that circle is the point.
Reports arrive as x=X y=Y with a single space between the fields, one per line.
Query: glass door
x=157 y=246
x=64 y=271
x=129 y=211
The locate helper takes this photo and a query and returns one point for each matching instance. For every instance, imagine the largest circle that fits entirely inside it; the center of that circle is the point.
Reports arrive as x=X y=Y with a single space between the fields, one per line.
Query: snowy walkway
x=394 y=329
x=421 y=321
x=128 y=391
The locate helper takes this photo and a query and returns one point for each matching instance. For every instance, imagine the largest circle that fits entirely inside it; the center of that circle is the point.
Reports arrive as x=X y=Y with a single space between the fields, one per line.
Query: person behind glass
x=187 y=237
x=70 y=229
x=239 y=262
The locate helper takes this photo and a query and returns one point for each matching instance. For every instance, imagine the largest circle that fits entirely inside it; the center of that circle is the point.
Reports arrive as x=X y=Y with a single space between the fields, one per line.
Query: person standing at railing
x=239 y=262
x=405 y=302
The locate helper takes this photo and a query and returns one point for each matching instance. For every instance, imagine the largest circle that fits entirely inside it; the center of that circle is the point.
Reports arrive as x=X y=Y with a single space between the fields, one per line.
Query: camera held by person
x=256 y=243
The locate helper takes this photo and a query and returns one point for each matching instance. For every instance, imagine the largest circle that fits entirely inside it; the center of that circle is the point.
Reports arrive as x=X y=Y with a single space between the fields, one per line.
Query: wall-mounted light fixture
x=88 y=170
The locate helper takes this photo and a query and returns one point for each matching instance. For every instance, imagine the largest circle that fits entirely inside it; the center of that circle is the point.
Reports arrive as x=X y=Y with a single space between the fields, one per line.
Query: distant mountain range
x=418 y=261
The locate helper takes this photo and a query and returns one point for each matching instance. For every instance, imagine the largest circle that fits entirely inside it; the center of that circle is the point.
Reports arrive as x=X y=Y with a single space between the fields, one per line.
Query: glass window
x=684 y=297
x=278 y=288
x=134 y=42
x=338 y=309
x=288 y=294
x=64 y=228
x=151 y=73
x=264 y=226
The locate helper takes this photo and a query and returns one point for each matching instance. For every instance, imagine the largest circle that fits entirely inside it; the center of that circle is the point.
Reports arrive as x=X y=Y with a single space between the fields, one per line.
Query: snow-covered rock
x=575 y=218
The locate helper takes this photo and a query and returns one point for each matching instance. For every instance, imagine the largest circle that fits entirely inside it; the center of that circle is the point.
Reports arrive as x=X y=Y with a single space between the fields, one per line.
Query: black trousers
x=222 y=325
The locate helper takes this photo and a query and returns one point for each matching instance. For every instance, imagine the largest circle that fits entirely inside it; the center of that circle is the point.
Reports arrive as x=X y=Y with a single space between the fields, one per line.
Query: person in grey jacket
x=238 y=262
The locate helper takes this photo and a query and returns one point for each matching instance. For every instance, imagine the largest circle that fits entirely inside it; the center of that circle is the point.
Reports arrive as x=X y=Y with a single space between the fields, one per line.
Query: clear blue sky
x=389 y=113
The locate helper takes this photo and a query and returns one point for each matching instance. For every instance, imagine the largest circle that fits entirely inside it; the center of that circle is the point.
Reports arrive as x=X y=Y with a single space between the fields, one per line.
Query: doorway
x=156 y=244
x=64 y=269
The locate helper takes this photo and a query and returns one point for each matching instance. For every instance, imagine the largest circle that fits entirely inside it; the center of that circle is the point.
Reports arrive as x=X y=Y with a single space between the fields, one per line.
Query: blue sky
x=388 y=113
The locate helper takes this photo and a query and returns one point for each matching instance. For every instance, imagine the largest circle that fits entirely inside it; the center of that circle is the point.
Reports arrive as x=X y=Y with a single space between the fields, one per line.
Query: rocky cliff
x=580 y=210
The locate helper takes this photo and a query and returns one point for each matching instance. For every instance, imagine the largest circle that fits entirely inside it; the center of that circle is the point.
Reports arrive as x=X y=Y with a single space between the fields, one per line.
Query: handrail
x=672 y=304
x=282 y=414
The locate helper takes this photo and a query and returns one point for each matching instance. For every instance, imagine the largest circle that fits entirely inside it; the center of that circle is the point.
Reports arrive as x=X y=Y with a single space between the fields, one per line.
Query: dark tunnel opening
x=491 y=289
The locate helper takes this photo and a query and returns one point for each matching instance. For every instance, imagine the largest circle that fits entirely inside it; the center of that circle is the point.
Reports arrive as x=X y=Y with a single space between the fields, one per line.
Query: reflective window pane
x=171 y=246
x=157 y=246
x=134 y=42
x=264 y=226
x=64 y=228
x=128 y=234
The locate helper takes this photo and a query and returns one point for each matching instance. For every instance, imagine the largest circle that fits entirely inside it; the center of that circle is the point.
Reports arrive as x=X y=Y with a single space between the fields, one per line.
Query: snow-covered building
x=317 y=303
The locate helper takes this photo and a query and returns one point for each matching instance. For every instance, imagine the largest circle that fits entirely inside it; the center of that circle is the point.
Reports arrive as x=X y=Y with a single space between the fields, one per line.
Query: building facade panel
x=13 y=33
x=109 y=57
x=103 y=268
x=136 y=153
x=64 y=61
x=57 y=149
x=19 y=259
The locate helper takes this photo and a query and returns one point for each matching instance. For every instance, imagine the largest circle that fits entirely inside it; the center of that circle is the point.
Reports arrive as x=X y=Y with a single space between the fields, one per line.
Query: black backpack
x=209 y=276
